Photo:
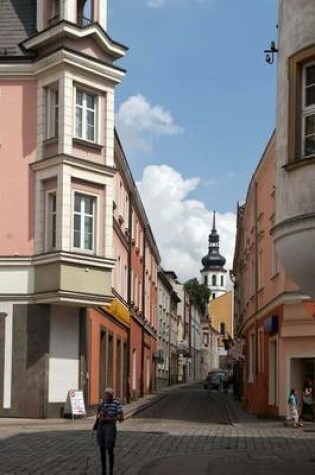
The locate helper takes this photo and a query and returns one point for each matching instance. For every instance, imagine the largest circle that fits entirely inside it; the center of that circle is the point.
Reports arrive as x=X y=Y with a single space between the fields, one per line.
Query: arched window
x=214 y=280
x=205 y=280
x=222 y=281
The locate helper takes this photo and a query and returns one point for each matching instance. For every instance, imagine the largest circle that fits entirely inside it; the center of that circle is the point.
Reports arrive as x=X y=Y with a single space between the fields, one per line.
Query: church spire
x=213 y=259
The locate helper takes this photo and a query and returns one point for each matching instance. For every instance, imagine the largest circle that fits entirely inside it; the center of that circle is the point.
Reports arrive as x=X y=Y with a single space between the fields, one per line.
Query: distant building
x=221 y=317
x=220 y=306
x=213 y=273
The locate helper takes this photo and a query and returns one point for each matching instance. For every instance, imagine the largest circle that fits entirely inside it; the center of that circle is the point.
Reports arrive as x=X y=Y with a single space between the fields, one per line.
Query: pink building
x=66 y=250
x=272 y=314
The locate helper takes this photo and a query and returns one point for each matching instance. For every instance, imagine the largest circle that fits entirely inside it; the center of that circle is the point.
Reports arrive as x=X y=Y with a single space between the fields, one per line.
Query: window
x=275 y=261
x=84 y=222
x=52 y=111
x=214 y=280
x=52 y=202
x=308 y=111
x=85 y=115
x=260 y=269
x=222 y=328
x=54 y=11
x=222 y=281
x=205 y=339
x=205 y=280
x=84 y=12
x=302 y=105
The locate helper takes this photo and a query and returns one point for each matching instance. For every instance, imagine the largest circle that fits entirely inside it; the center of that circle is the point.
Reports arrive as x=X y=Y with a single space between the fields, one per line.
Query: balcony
x=72 y=278
x=294 y=238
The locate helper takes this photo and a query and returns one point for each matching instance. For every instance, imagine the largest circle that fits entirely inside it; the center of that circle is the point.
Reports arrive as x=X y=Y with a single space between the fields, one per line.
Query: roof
x=17 y=22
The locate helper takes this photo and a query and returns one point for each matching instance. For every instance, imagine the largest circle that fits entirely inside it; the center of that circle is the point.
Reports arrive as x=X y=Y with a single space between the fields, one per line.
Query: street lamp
x=269 y=53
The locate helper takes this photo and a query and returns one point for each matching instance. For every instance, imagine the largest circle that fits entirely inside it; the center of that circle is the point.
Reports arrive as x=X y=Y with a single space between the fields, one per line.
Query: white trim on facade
x=76 y=33
x=6 y=311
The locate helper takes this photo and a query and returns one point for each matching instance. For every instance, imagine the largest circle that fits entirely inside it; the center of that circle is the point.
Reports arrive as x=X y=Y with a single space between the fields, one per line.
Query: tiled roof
x=17 y=22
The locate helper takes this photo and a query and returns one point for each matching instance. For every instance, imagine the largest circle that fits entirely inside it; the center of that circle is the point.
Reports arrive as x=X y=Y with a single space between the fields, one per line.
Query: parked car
x=216 y=379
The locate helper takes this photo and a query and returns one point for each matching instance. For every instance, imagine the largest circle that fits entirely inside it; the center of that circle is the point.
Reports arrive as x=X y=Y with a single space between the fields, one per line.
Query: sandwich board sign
x=75 y=403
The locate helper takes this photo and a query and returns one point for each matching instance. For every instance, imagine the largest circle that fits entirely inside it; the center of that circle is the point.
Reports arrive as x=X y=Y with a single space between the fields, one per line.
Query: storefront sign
x=75 y=403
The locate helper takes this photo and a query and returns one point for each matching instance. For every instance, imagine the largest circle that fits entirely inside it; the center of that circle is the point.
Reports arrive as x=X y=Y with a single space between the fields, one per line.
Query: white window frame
x=306 y=110
x=85 y=93
x=275 y=261
x=95 y=218
x=50 y=213
x=52 y=110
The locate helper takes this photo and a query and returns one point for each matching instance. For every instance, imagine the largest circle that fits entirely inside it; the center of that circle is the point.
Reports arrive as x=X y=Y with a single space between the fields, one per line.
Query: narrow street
x=185 y=431
x=191 y=404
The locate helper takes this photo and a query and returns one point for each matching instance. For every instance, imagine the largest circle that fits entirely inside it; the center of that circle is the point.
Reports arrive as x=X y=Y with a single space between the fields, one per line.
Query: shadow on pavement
x=143 y=453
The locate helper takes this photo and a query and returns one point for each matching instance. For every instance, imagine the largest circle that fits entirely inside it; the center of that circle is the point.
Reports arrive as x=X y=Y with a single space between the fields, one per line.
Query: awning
x=119 y=311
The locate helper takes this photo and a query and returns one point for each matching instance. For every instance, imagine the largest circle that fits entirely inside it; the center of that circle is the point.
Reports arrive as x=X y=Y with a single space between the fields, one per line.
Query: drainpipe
x=143 y=313
x=256 y=272
x=169 y=343
x=189 y=328
x=128 y=385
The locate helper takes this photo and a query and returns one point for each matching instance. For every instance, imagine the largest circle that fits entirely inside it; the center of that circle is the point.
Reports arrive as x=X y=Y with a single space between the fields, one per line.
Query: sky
x=194 y=114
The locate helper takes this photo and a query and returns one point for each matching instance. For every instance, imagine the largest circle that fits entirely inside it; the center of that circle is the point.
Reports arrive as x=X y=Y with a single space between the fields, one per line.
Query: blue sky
x=195 y=110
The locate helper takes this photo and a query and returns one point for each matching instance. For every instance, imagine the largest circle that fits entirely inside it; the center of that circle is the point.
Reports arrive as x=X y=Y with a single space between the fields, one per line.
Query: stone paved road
x=153 y=445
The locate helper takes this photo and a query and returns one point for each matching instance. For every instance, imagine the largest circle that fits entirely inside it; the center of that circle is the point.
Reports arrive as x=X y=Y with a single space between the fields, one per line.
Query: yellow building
x=221 y=318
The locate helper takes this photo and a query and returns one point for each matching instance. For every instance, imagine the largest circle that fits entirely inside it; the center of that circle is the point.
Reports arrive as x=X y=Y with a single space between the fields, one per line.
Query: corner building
x=57 y=83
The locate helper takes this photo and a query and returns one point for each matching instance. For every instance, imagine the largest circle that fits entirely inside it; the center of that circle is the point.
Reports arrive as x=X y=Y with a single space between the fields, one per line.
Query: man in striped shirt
x=110 y=411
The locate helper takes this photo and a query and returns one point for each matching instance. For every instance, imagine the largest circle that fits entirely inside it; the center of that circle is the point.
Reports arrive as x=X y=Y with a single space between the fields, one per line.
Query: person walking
x=293 y=408
x=307 y=407
x=109 y=412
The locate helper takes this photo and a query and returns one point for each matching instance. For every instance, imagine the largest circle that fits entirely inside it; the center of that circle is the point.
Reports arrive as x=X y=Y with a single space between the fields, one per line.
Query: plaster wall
x=17 y=151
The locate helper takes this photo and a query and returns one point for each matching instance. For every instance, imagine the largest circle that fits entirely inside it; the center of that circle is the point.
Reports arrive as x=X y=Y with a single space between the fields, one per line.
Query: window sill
x=298 y=163
x=87 y=144
x=51 y=141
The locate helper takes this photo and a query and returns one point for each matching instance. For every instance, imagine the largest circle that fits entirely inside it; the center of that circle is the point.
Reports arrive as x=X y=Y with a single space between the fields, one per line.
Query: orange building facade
x=272 y=315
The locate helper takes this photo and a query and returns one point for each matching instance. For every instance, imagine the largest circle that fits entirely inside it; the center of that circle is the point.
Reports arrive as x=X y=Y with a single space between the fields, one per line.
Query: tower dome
x=213 y=260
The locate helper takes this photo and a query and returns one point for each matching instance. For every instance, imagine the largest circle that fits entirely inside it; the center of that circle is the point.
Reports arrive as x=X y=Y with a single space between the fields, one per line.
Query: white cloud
x=140 y=124
x=181 y=226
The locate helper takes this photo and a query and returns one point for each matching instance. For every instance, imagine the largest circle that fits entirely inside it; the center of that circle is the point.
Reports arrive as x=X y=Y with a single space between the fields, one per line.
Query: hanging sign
x=75 y=403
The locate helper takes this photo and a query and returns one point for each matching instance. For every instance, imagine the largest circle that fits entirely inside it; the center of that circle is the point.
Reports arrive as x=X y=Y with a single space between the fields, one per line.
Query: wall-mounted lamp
x=270 y=53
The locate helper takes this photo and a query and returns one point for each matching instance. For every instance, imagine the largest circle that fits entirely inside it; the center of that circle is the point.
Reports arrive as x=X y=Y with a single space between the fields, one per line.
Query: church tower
x=213 y=273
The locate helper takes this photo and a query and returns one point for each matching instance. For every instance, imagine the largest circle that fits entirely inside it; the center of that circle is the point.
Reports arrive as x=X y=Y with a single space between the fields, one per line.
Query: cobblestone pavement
x=156 y=446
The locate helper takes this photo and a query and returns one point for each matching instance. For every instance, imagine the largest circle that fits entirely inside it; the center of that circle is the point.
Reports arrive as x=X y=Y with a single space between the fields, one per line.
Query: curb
x=145 y=405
